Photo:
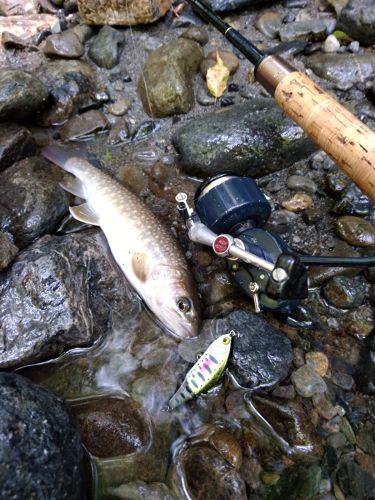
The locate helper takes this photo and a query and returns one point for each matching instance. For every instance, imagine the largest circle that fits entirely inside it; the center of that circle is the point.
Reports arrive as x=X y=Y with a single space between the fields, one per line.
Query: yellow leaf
x=217 y=78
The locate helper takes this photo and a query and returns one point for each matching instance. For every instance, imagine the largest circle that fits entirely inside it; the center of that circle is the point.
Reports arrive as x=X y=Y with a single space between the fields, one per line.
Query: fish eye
x=184 y=304
x=226 y=340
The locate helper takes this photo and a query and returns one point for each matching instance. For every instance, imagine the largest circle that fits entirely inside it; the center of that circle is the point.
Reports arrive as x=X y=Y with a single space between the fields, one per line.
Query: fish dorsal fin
x=85 y=213
x=140 y=266
x=74 y=186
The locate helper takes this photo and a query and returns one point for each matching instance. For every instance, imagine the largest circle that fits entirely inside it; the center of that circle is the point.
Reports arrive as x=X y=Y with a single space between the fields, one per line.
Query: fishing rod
x=348 y=141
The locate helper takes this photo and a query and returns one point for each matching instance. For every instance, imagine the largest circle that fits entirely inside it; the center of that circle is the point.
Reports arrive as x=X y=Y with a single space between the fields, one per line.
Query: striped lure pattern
x=206 y=371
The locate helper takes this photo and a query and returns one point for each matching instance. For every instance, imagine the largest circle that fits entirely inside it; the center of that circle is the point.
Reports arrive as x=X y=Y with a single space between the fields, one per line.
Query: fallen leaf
x=217 y=78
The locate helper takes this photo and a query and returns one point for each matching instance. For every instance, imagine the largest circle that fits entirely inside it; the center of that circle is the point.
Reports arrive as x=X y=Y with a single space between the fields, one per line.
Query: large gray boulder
x=254 y=139
x=40 y=452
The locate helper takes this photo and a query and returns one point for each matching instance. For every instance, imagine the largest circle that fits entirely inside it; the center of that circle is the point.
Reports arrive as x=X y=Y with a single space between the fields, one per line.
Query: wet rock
x=207 y=475
x=337 y=182
x=227 y=445
x=281 y=218
x=353 y=202
x=288 y=418
x=197 y=34
x=344 y=70
x=106 y=46
x=228 y=58
x=18 y=7
x=300 y=183
x=111 y=426
x=119 y=132
x=204 y=98
x=120 y=107
x=66 y=44
x=355 y=231
x=122 y=12
x=357 y=19
x=315 y=29
x=83 y=32
x=83 y=126
x=41 y=453
x=229 y=5
x=343 y=380
x=28 y=26
x=343 y=292
x=32 y=200
x=21 y=94
x=299 y=202
x=312 y=216
x=269 y=23
x=47 y=306
x=324 y=406
x=7 y=250
x=167 y=76
x=307 y=382
x=318 y=361
x=11 y=41
x=252 y=138
x=140 y=489
x=319 y=275
x=331 y=44
x=69 y=84
x=16 y=143
x=261 y=355
x=361 y=322
x=353 y=479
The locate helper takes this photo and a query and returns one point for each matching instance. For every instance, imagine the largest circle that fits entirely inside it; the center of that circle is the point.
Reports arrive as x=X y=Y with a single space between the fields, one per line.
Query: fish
x=147 y=253
x=206 y=371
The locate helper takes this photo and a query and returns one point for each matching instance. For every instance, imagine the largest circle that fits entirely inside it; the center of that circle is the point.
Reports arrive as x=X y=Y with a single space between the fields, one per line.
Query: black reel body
x=236 y=206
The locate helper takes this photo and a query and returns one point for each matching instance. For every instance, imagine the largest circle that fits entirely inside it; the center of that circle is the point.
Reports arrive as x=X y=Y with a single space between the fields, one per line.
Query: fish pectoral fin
x=73 y=186
x=85 y=213
x=140 y=266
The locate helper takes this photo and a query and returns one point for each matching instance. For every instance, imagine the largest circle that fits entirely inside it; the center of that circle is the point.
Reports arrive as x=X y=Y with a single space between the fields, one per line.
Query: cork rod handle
x=349 y=142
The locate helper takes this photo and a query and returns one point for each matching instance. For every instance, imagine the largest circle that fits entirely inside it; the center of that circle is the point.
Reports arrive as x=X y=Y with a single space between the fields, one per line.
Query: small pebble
x=324 y=406
x=307 y=382
x=197 y=34
x=301 y=183
x=299 y=202
x=331 y=44
x=355 y=231
x=269 y=23
x=204 y=98
x=318 y=361
x=343 y=292
x=120 y=107
x=361 y=322
x=343 y=380
x=354 y=47
x=337 y=440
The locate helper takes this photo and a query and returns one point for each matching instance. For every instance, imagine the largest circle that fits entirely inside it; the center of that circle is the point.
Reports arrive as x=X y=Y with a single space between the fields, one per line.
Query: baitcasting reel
x=230 y=212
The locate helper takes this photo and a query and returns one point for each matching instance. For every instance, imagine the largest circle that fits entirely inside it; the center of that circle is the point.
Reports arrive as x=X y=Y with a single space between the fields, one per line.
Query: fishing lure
x=206 y=371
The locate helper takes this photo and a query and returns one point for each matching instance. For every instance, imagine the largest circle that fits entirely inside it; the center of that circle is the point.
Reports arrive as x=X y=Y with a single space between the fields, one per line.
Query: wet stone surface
x=21 y=94
x=40 y=443
x=261 y=354
x=208 y=475
x=253 y=138
x=16 y=143
x=112 y=427
x=303 y=427
x=47 y=306
x=31 y=199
